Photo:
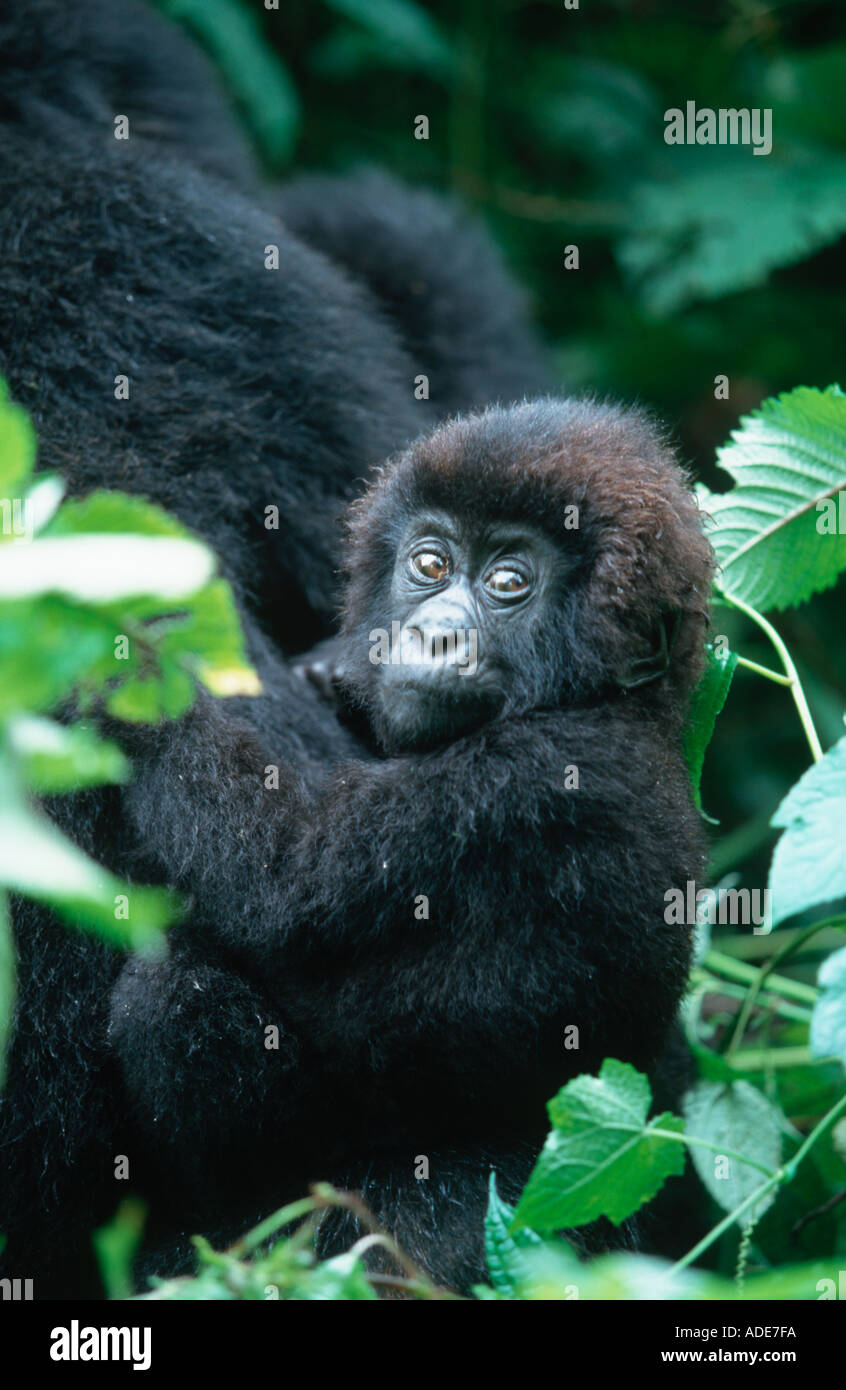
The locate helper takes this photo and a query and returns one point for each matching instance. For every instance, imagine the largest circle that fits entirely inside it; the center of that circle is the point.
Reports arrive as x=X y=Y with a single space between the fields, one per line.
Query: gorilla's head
x=546 y=554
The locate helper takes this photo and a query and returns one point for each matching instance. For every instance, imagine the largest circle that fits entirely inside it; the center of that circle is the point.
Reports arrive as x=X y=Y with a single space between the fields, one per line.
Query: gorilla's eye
x=431 y=564
x=507 y=582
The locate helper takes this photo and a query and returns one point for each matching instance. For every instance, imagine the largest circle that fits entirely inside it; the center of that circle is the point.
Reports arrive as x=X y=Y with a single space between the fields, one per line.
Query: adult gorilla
x=249 y=388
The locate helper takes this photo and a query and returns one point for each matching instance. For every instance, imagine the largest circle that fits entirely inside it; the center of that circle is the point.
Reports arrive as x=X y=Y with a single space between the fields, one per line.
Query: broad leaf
x=767 y=532
x=737 y=1117
x=692 y=237
x=57 y=758
x=809 y=863
x=828 y=1021
x=39 y=862
x=101 y=568
x=601 y=1157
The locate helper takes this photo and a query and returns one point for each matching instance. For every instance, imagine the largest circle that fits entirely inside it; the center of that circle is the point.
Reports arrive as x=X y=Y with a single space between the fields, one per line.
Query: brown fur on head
x=641 y=559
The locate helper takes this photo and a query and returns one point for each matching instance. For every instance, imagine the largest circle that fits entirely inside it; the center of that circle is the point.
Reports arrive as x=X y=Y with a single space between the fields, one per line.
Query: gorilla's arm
x=311 y=893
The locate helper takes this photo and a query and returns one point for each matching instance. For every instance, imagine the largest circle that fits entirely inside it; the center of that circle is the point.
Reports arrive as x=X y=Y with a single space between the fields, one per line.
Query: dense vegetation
x=694 y=263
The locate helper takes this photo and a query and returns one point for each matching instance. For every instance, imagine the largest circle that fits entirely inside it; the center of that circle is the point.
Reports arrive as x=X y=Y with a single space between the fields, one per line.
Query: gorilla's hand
x=182 y=1029
x=324 y=668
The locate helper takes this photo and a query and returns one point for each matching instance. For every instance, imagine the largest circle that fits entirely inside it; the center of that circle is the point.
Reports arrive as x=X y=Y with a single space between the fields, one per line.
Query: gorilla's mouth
x=423 y=710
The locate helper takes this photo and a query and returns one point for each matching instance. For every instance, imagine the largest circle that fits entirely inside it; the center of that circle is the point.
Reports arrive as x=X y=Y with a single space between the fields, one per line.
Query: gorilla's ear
x=654 y=662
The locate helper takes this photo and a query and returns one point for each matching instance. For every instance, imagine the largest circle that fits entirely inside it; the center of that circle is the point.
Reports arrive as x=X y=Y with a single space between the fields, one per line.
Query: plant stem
x=734 y=969
x=712 y=985
x=783 y=1175
x=788 y=949
x=773 y=1059
x=690 y=1140
x=763 y=671
x=751 y=1201
x=789 y=669
x=825 y=1123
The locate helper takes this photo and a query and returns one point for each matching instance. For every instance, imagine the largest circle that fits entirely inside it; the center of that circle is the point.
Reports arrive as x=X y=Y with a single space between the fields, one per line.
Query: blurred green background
x=693 y=261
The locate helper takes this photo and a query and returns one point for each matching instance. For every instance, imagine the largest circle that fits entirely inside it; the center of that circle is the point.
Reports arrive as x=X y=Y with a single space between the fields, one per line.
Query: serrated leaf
x=601 y=1157
x=504 y=1252
x=785 y=458
x=828 y=1021
x=707 y=702
x=809 y=862
x=56 y=758
x=737 y=1117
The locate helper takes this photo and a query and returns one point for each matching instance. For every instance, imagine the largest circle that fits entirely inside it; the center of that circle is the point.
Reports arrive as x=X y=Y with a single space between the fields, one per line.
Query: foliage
x=602 y=1157
x=105 y=604
x=693 y=261
x=788 y=461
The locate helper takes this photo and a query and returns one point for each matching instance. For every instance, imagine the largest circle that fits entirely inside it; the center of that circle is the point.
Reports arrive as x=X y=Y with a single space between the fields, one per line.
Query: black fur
x=249 y=388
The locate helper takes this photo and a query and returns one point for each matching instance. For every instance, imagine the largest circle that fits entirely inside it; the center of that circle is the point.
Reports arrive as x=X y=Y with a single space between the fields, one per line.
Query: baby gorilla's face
x=468 y=604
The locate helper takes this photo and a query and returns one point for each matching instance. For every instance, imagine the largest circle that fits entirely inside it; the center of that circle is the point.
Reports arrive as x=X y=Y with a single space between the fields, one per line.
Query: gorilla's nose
x=439 y=645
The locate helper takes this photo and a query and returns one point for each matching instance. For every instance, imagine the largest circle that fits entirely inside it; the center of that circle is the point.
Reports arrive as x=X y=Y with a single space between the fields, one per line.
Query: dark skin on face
x=466 y=602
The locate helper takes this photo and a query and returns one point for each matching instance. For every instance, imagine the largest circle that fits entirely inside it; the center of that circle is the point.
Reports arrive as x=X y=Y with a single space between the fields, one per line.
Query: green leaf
x=738 y=1117
x=550 y=1272
x=828 y=1021
x=115 y=512
x=146 y=700
x=101 y=568
x=17 y=448
x=504 y=1252
x=691 y=237
x=47 y=645
x=254 y=73
x=397 y=33
x=56 y=758
x=602 y=109
x=42 y=501
x=39 y=862
x=623 y=1277
x=210 y=638
x=601 y=1157
x=116 y=1246
x=809 y=862
x=785 y=458
x=342 y=1278
x=706 y=703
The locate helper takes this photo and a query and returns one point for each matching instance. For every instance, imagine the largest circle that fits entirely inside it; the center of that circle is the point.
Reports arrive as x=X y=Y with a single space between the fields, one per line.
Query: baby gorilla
x=524 y=619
